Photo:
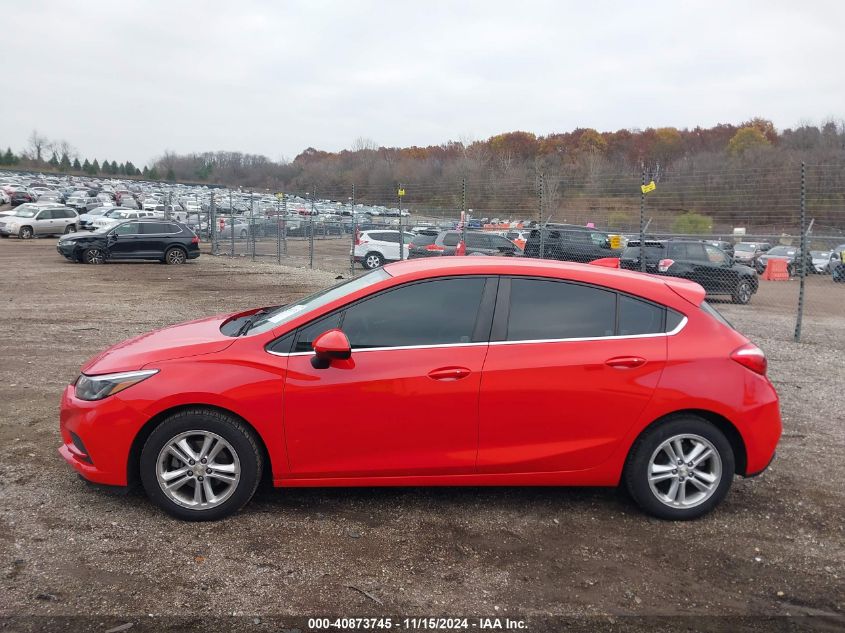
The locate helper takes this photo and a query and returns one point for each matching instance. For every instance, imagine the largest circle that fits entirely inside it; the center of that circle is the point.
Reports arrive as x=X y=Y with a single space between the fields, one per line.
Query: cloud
x=128 y=80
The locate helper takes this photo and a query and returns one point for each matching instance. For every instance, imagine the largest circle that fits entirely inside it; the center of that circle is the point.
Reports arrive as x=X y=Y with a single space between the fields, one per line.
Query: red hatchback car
x=406 y=377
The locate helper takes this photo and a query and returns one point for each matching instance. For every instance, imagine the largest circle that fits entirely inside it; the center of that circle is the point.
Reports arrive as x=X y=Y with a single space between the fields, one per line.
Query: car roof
x=649 y=286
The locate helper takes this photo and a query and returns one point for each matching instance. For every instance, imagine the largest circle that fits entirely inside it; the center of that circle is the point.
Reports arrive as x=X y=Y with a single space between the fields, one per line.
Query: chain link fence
x=757 y=239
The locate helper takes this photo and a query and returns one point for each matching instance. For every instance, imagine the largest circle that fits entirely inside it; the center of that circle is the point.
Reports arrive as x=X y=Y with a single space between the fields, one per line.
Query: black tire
x=175 y=255
x=94 y=256
x=236 y=433
x=25 y=233
x=743 y=292
x=636 y=473
x=70 y=228
x=790 y=270
x=244 y=234
x=373 y=260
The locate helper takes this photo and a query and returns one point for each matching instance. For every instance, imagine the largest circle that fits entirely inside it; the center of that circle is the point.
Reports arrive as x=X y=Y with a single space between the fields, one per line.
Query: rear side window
x=541 y=309
x=639 y=317
x=713 y=312
x=424 y=239
x=477 y=240
x=451 y=239
x=438 y=312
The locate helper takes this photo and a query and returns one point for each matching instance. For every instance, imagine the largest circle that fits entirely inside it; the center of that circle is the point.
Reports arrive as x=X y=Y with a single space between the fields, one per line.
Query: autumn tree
x=746 y=139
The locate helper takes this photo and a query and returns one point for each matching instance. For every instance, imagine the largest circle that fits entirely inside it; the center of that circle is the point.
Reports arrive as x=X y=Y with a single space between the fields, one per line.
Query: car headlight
x=105 y=385
x=13 y=225
x=68 y=242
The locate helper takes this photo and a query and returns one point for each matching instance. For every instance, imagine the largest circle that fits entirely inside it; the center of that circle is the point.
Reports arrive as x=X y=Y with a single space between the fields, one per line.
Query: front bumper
x=5 y=230
x=106 y=429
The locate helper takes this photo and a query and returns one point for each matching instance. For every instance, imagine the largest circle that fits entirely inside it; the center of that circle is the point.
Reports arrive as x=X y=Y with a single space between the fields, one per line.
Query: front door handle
x=625 y=362
x=449 y=373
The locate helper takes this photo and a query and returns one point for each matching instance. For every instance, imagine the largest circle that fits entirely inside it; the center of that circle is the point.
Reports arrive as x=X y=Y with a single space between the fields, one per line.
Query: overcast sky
x=124 y=79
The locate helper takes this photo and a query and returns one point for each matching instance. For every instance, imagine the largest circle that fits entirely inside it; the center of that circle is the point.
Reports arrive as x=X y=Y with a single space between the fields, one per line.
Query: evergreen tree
x=130 y=168
x=121 y=169
x=54 y=160
x=146 y=172
x=76 y=165
x=86 y=166
x=171 y=176
x=95 y=167
x=64 y=163
x=153 y=174
x=114 y=168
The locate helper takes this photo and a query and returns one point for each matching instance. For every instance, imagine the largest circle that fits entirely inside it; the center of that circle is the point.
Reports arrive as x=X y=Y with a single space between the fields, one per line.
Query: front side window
x=438 y=312
x=541 y=309
x=129 y=228
x=44 y=215
x=715 y=255
x=451 y=239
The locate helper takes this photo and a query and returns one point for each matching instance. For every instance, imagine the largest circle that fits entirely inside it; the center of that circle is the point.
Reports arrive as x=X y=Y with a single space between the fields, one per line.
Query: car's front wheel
x=201 y=465
x=70 y=228
x=94 y=256
x=25 y=233
x=680 y=469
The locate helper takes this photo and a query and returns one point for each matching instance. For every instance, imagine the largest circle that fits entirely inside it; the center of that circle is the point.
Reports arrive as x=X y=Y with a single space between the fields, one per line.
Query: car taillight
x=357 y=237
x=665 y=264
x=752 y=357
x=195 y=240
x=434 y=247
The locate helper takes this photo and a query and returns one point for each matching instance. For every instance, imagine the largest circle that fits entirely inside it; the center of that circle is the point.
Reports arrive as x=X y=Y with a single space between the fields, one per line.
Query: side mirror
x=329 y=346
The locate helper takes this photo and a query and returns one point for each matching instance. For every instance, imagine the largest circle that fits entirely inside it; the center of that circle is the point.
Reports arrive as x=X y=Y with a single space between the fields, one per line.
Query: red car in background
x=405 y=377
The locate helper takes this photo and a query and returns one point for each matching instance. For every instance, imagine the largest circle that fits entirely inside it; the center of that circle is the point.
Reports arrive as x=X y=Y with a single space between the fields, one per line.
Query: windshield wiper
x=253 y=319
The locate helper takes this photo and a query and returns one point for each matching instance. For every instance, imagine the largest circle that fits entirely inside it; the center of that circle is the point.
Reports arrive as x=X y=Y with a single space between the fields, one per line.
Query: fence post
x=285 y=222
x=252 y=228
x=540 y=217
x=642 y=222
x=212 y=226
x=232 y=222
x=464 y=213
x=401 y=232
x=802 y=254
x=311 y=229
x=354 y=233
x=279 y=228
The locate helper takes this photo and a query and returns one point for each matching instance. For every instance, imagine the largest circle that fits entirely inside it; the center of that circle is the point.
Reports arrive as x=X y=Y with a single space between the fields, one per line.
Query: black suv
x=702 y=263
x=164 y=240
x=437 y=243
x=569 y=243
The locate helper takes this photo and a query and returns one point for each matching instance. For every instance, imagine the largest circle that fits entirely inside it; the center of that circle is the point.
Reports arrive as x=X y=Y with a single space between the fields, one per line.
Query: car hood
x=182 y=340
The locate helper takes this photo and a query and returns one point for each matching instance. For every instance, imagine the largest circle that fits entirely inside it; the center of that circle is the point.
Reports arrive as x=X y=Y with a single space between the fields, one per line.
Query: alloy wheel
x=198 y=470
x=176 y=256
x=684 y=471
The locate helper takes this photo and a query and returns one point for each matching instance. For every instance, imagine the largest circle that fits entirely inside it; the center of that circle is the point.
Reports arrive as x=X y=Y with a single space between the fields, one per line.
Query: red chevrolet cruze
x=452 y=371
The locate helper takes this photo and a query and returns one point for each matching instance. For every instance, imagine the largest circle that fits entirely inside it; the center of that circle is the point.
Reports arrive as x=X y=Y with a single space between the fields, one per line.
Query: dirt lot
x=775 y=546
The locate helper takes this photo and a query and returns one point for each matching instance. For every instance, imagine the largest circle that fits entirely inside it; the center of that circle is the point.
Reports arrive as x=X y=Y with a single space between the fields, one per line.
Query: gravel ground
x=775 y=546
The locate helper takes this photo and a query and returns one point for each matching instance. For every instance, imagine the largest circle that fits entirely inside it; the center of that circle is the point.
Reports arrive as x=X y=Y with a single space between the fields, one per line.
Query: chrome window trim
x=677 y=329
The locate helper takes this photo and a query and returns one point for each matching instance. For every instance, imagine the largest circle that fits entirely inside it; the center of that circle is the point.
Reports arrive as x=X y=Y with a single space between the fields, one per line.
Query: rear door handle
x=625 y=362
x=449 y=373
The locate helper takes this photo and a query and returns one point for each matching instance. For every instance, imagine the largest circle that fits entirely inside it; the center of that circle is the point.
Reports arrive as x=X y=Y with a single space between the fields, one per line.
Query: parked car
x=21 y=197
x=788 y=253
x=128 y=202
x=86 y=219
x=821 y=261
x=440 y=243
x=749 y=252
x=239 y=226
x=468 y=336
x=375 y=248
x=116 y=215
x=4 y=197
x=33 y=219
x=697 y=261
x=725 y=246
x=163 y=240
x=520 y=238
x=569 y=243
x=836 y=264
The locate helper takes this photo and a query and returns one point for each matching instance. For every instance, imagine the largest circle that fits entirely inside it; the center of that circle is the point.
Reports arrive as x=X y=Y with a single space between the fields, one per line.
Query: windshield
x=745 y=248
x=286 y=313
x=782 y=250
x=25 y=213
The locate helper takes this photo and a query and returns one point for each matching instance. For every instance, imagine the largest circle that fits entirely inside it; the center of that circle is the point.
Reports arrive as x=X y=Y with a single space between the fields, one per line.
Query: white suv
x=374 y=248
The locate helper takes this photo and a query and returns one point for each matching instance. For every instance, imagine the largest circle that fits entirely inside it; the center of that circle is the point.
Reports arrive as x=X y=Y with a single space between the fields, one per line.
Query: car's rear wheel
x=94 y=256
x=201 y=465
x=25 y=233
x=744 y=291
x=70 y=228
x=175 y=255
x=243 y=234
x=373 y=261
x=680 y=469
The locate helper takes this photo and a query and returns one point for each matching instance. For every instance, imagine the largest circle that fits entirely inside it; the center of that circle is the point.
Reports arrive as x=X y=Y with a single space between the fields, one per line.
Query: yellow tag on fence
x=401 y=192
x=615 y=242
x=649 y=187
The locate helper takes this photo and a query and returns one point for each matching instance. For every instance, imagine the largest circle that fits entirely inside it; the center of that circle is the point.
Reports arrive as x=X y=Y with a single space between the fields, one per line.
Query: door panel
x=381 y=413
x=559 y=406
